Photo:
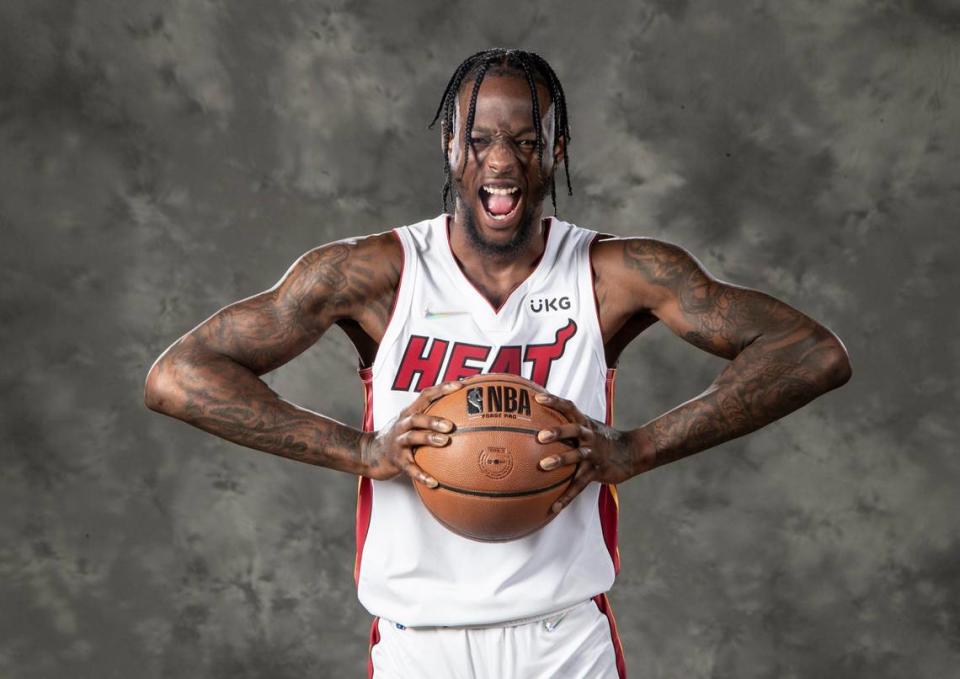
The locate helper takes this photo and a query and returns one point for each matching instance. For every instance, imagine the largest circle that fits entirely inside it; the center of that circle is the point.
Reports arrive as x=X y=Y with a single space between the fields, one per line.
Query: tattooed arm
x=780 y=358
x=210 y=376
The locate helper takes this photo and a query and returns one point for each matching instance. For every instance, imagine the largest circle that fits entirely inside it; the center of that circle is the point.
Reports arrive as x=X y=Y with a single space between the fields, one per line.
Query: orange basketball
x=491 y=485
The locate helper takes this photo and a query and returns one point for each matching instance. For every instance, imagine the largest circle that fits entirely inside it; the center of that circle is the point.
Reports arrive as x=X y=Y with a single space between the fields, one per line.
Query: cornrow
x=536 y=116
x=530 y=65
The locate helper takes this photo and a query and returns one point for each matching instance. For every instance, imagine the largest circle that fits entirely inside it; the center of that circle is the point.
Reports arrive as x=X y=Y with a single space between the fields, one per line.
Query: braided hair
x=527 y=64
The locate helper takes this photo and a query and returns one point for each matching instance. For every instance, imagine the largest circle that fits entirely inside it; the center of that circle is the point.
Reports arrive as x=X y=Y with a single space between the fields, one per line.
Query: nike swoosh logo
x=551 y=625
x=443 y=314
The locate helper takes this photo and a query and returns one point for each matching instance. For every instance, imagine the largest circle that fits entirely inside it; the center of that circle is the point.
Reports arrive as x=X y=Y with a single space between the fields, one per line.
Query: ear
x=558 y=146
x=454 y=146
x=445 y=149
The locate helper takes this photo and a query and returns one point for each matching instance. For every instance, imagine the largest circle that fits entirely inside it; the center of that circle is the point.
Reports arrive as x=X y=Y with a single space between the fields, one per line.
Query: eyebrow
x=487 y=130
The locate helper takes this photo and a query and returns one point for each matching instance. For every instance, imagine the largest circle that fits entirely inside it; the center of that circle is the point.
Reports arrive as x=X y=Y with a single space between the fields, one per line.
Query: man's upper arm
x=715 y=316
x=326 y=284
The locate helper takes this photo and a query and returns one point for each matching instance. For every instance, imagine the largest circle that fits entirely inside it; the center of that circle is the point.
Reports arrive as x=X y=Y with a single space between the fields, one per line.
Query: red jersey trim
x=593 y=285
x=608 y=503
x=364 y=485
x=393 y=306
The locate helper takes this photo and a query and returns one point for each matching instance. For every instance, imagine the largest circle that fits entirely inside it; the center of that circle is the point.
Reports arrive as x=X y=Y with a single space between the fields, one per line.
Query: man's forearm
x=762 y=383
x=220 y=396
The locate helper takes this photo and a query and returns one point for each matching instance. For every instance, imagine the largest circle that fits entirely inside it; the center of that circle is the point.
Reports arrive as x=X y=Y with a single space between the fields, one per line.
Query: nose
x=501 y=155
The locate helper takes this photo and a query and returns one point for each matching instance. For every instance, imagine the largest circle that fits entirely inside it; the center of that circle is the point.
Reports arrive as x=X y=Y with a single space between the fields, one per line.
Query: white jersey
x=411 y=569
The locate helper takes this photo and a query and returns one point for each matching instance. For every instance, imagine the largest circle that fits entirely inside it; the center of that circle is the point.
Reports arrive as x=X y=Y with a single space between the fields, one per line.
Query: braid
x=536 y=115
x=471 y=113
x=532 y=66
x=561 y=119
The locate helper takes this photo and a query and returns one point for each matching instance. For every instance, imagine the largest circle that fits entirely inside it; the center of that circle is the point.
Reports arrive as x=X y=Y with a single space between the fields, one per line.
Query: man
x=494 y=287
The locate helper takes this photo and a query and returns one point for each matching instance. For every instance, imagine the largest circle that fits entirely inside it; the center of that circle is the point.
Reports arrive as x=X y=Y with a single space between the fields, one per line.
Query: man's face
x=500 y=194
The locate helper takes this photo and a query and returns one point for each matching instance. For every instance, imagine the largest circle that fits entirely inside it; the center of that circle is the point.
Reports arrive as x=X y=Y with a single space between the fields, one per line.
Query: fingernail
x=439 y=439
x=557 y=506
x=549 y=462
x=443 y=425
x=546 y=435
x=432 y=482
x=541 y=398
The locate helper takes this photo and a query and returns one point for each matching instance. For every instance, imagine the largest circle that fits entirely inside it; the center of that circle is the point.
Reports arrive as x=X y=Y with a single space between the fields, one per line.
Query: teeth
x=499 y=191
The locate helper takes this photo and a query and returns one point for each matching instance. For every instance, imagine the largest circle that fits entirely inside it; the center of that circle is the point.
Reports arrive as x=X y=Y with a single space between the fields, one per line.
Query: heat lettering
x=543 y=355
x=427 y=368
x=424 y=357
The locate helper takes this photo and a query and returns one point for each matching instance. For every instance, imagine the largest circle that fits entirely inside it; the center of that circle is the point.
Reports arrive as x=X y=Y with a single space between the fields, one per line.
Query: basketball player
x=493 y=286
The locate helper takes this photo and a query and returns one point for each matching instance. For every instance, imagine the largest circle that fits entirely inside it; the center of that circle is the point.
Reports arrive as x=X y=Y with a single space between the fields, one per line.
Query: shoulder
x=377 y=254
x=348 y=273
x=639 y=273
x=658 y=262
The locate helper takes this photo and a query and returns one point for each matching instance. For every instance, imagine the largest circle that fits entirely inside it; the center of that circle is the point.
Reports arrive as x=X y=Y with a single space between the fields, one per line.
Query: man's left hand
x=602 y=454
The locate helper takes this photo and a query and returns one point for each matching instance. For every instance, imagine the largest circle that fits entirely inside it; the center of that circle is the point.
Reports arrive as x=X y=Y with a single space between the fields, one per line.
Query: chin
x=499 y=238
x=495 y=236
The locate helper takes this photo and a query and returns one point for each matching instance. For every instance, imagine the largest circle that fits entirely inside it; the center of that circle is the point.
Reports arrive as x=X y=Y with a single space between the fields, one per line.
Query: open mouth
x=501 y=203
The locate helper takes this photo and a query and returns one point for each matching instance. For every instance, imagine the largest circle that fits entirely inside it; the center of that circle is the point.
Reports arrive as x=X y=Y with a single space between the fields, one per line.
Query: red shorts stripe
x=603 y=603
x=374 y=640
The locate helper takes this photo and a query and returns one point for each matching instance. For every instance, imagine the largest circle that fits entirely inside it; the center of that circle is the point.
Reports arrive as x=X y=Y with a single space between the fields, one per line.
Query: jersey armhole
x=588 y=293
x=401 y=304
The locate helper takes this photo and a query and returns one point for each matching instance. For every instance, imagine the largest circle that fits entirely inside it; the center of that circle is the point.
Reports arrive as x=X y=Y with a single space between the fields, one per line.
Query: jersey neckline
x=467 y=286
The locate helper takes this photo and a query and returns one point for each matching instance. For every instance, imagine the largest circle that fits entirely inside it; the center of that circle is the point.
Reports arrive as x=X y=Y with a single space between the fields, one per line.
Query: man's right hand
x=389 y=452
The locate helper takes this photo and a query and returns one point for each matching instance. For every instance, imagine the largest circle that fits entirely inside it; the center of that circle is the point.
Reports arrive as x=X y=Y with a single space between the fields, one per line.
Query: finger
x=585 y=474
x=429 y=422
x=562 y=405
x=568 y=457
x=431 y=394
x=422 y=437
x=570 y=430
x=411 y=469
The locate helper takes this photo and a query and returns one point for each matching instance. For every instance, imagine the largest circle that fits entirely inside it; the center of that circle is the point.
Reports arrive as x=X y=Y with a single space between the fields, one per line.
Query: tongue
x=500 y=204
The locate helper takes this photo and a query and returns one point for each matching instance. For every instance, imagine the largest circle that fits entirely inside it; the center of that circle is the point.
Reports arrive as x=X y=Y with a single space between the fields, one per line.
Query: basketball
x=491 y=485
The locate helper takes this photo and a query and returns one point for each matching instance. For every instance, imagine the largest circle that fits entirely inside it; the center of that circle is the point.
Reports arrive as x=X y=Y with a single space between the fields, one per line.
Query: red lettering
x=507 y=361
x=457 y=366
x=543 y=355
x=415 y=363
x=424 y=357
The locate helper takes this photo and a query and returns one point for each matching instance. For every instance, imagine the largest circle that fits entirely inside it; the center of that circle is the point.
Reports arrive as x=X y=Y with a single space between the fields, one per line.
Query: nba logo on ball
x=475 y=401
x=501 y=401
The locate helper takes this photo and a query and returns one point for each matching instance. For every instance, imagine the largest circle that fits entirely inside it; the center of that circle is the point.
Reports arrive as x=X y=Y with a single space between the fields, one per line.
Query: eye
x=478 y=141
x=528 y=143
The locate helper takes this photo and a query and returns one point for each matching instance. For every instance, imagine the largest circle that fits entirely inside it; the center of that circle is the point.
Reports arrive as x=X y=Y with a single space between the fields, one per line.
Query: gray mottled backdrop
x=159 y=160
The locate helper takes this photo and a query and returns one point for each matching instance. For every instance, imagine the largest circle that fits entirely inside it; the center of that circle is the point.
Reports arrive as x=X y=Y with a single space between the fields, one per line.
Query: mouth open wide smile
x=501 y=202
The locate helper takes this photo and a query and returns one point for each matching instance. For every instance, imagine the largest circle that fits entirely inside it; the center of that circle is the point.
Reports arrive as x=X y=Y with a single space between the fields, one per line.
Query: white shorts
x=580 y=642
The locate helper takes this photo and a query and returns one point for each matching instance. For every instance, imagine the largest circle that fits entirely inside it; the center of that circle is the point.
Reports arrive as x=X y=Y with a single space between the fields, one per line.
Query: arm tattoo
x=225 y=398
x=210 y=376
x=781 y=359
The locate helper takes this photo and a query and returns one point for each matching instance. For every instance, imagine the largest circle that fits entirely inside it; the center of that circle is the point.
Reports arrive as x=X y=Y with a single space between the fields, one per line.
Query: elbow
x=156 y=388
x=836 y=363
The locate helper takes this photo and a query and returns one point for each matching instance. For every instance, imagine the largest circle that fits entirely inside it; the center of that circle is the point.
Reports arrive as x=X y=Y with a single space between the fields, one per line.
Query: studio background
x=159 y=160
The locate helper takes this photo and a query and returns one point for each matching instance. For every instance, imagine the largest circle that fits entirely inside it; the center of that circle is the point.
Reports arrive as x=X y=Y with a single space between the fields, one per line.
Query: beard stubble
x=514 y=246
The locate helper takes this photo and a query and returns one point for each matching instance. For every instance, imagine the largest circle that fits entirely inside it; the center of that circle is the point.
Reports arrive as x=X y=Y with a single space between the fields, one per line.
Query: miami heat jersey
x=409 y=567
